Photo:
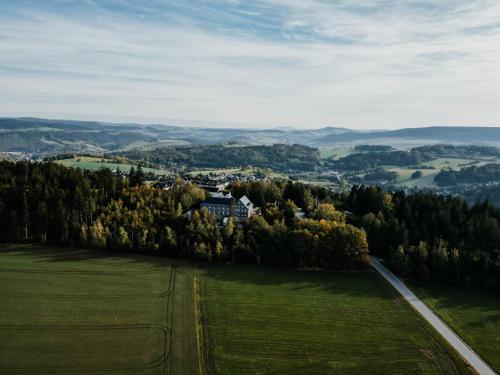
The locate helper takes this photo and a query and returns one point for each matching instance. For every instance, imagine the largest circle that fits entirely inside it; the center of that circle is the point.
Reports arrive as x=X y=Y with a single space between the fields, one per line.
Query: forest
x=52 y=204
x=373 y=156
x=470 y=175
x=481 y=193
x=463 y=151
x=380 y=174
x=367 y=160
x=422 y=235
x=279 y=157
x=430 y=237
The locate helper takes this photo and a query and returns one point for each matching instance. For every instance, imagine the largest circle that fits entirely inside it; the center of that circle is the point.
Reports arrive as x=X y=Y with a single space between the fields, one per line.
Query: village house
x=211 y=185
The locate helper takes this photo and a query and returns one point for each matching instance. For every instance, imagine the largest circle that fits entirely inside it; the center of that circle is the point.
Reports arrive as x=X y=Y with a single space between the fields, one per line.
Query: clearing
x=94 y=163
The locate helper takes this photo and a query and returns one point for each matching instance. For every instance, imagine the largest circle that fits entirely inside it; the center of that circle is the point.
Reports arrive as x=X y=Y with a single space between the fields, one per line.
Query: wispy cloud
x=391 y=63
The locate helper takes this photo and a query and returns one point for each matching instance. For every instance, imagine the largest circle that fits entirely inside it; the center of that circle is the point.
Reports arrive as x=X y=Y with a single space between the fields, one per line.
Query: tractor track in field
x=79 y=327
x=76 y=272
x=168 y=322
x=85 y=296
x=166 y=328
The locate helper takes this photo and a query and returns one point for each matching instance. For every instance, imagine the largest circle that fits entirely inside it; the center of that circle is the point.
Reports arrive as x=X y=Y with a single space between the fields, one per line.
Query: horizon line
x=212 y=125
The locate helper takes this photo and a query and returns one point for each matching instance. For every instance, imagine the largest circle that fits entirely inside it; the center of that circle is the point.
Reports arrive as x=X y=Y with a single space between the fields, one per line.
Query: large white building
x=224 y=206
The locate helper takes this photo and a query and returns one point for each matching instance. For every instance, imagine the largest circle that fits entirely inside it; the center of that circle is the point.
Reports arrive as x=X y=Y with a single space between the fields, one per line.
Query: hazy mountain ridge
x=448 y=134
x=49 y=137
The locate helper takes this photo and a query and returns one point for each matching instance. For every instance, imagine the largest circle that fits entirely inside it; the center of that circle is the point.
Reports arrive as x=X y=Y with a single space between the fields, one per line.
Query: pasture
x=335 y=152
x=473 y=314
x=93 y=163
x=262 y=321
x=65 y=310
x=68 y=311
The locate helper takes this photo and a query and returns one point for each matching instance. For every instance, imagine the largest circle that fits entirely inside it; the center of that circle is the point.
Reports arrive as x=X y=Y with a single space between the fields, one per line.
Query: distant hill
x=51 y=137
x=279 y=157
x=43 y=137
x=437 y=134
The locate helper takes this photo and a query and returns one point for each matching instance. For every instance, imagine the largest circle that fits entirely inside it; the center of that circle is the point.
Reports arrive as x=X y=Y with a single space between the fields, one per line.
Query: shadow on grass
x=61 y=254
x=481 y=306
x=490 y=319
x=361 y=283
x=349 y=284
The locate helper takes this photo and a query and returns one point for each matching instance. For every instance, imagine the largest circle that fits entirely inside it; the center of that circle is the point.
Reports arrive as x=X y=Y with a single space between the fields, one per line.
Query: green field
x=144 y=145
x=427 y=180
x=92 y=163
x=335 y=152
x=473 y=314
x=404 y=177
x=73 y=311
x=262 y=321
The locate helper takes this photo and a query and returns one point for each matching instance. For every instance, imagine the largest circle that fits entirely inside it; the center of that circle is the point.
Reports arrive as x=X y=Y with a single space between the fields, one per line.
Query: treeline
x=278 y=157
x=52 y=204
x=468 y=151
x=368 y=160
x=421 y=235
x=373 y=156
x=380 y=174
x=482 y=194
x=470 y=175
x=430 y=237
x=373 y=148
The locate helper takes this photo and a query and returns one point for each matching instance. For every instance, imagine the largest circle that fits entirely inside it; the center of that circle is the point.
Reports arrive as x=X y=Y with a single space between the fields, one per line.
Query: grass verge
x=473 y=314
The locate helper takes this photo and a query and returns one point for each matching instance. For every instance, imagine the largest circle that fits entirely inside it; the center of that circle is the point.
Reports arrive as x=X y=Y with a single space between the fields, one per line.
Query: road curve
x=456 y=342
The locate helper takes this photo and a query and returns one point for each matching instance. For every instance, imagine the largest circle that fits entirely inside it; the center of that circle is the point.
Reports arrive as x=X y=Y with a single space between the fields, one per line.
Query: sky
x=359 y=64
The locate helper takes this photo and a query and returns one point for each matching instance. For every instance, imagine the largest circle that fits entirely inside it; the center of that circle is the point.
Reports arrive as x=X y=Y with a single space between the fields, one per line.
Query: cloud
x=268 y=62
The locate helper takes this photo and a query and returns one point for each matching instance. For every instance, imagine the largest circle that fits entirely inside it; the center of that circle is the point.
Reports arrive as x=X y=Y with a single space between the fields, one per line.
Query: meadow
x=93 y=163
x=75 y=311
x=473 y=314
x=264 y=321
x=65 y=310
x=427 y=180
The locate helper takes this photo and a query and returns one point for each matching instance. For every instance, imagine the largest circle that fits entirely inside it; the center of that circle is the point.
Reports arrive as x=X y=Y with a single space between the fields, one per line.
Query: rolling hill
x=43 y=137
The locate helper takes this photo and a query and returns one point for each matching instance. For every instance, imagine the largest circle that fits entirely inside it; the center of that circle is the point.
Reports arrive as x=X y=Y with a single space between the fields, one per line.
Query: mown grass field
x=262 y=321
x=72 y=311
x=66 y=311
x=91 y=163
x=474 y=315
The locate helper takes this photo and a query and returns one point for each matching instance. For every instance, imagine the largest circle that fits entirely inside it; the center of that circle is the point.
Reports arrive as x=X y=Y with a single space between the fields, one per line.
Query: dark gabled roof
x=218 y=200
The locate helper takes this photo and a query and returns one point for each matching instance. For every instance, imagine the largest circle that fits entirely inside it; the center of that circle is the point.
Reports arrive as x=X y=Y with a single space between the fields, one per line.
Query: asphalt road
x=456 y=342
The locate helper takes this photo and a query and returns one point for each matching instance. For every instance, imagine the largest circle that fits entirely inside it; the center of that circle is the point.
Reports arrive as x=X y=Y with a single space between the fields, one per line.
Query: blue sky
x=308 y=63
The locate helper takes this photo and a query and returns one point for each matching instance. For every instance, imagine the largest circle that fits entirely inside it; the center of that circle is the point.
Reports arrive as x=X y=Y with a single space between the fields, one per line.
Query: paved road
x=465 y=351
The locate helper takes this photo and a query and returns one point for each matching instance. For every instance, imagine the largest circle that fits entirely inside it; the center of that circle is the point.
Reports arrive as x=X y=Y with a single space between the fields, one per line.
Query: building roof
x=227 y=200
x=245 y=201
x=218 y=200
x=221 y=194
